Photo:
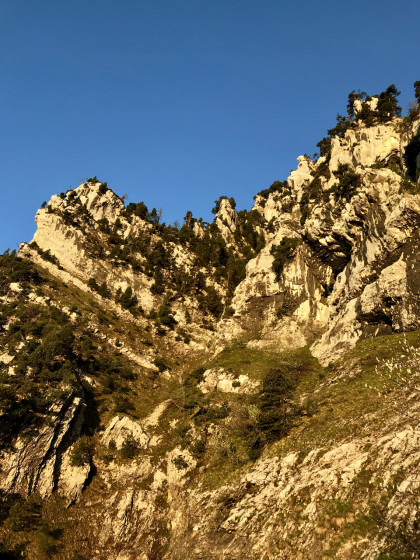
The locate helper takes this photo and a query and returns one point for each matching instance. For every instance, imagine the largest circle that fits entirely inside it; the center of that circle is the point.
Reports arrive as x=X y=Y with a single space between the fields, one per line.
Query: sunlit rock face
x=359 y=250
x=226 y=219
x=171 y=396
x=68 y=235
x=346 y=246
x=43 y=464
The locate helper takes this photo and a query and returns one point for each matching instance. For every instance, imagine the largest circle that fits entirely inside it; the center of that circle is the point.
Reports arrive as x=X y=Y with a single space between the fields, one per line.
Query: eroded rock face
x=344 y=279
x=351 y=272
x=337 y=282
x=220 y=380
x=68 y=242
x=42 y=464
x=122 y=428
x=296 y=505
x=373 y=294
x=226 y=219
x=243 y=517
x=292 y=307
x=365 y=146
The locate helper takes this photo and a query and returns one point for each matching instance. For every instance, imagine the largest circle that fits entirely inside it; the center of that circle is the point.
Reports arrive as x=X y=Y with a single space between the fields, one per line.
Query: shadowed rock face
x=337 y=268
x=43 y=464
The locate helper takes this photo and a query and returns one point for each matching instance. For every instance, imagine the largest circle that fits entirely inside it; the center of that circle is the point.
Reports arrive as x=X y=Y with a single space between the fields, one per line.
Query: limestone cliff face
x=354 y=275
x=168 y=362
x=226 y=220
x=70 y=235
x=42 y=465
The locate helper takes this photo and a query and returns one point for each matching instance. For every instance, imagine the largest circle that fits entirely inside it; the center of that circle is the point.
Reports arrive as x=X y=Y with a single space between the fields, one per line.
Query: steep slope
x=354 y=272
x=241 y=389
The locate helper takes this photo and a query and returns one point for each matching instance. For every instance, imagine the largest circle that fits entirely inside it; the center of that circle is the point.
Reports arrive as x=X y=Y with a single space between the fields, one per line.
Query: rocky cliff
x=241 y=389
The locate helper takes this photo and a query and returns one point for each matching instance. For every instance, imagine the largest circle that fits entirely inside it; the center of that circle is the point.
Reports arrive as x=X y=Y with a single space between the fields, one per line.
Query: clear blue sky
x=176 y=102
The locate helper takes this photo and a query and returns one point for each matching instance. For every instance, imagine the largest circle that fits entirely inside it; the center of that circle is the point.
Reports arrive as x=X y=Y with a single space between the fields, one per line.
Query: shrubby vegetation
x=47 y=352
x=82 y=452
x=46 y=255
x=126 y=299
x=387 y=108
x=217 y=203
x=16 y=269
x=276 y=410
x=25 y=518
x=283 y=253
x=102 y=289
x=50 y=360
x=348 y=182
x=129 y=448
x=165 y=316
x=278 y=187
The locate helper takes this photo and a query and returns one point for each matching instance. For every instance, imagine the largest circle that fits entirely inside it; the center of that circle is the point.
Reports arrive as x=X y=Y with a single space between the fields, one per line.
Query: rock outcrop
x=42 y=464
x=241 y=389
x=353 y=276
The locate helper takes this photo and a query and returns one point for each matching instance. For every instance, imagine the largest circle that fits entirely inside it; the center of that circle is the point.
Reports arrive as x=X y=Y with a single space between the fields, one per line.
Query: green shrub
x=218 y=202
x=126 y=299
x=158 y=286
x=180 y=462
x=343 y=124
x=366 y=115
x=388 y=104
x=276 y=413
x=283 y=253
x=212 y=413
x=139 y=209
x=82 y=452
x=129 y=448
x=15 y=269
x=47 y=256
x=276 y=187
x=103 y=188
x=197 y=448
x=212 y=302
x=165 y=316
x=104 y=226
x=25 y=515
x=161 y=364
x=408 y=186
x=348 y=182
x=123 y=404
x=191 y=393
x=102 y=289
x=324 y=146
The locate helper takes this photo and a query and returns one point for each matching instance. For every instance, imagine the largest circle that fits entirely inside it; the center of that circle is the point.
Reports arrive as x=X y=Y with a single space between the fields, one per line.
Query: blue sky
x=178 y=102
